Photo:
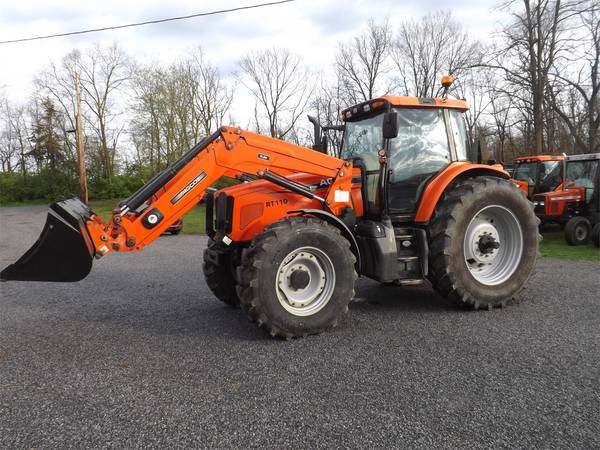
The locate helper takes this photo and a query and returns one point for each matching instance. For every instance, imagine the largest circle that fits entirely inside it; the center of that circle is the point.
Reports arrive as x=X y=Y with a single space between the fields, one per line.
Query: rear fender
x=435 y=189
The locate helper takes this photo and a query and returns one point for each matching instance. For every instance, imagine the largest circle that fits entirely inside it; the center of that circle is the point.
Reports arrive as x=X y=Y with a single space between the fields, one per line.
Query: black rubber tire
x=448 y=272
x=175 y=233
x=220 y=278
x=578 y=231
x=596 y=235
x=261 y=260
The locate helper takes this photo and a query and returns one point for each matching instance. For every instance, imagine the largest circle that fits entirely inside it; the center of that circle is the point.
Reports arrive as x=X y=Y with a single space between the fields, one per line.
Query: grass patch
x=554 y=245
x=193 y=222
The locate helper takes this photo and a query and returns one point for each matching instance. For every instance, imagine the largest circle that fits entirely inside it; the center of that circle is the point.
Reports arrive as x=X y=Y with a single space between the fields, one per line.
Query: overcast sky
x=312 y=28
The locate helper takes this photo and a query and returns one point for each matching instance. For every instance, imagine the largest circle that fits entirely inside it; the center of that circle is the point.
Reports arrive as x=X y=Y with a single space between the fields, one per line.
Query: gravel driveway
x=141 y=354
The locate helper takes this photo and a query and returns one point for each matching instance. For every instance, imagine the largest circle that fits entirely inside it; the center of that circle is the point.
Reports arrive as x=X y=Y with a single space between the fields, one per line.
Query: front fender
x=336 y=222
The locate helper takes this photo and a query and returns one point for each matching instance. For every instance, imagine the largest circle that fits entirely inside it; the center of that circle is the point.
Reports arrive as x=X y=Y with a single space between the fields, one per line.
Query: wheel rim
x=493 y=245
x=305 y=281
x=581 y=232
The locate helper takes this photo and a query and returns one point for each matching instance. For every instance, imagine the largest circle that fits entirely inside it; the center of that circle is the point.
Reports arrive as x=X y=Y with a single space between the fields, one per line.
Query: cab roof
x=379 y=104
x=537 y=158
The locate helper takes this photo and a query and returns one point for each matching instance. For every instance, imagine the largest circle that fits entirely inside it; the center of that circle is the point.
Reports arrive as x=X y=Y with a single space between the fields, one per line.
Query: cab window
x=419 y=152
x=583 y=174
x=459 y=132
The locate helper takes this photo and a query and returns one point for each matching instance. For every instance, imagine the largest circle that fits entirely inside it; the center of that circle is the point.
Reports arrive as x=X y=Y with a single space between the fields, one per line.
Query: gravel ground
x=141 y=354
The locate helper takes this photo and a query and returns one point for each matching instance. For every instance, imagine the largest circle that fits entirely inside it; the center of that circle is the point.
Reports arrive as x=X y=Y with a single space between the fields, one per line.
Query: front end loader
x=401 y=205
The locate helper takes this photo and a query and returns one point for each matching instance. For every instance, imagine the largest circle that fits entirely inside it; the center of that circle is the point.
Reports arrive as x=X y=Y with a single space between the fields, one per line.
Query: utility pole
x=83 y=191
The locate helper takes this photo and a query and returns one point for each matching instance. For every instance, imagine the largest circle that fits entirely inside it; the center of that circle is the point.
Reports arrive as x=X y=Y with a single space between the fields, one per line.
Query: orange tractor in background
x=401 y=205
x=538 y=174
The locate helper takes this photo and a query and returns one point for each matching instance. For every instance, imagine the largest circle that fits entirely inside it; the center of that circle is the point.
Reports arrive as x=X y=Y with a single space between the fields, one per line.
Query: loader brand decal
x=263 y=156
x=325 y=182
x=322 y=184
x=192 y=184
x=280 y=202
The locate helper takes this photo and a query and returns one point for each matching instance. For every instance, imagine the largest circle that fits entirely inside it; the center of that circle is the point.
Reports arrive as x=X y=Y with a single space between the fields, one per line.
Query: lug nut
x=130 y=241
x=116 y=246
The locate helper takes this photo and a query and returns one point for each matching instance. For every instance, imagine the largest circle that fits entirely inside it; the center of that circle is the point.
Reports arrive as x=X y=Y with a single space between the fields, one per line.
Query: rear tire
x=483 y=242
x=578 y=230
x=219 y=277
x=596 y=235
x=287 y=305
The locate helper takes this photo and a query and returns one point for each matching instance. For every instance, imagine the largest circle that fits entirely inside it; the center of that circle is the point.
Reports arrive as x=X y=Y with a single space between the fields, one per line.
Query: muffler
x=63 y=252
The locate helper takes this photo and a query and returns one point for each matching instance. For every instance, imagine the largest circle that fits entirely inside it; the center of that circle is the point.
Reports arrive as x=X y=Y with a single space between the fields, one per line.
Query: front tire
x=578 y=230
x=219 y=277
x=297 y=277
x=483 y=241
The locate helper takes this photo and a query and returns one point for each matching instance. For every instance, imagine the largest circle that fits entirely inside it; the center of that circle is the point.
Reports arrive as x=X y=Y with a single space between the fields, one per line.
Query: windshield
x=525 y=172
x=363 y=137
x=550 y=176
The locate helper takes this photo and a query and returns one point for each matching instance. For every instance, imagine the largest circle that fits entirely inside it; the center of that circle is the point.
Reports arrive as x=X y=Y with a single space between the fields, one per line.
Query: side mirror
x=390 y=125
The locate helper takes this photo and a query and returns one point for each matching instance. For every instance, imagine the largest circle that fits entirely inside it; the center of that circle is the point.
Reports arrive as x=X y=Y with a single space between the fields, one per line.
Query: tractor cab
x=538 y=174
x=401 y=143
x=576 y=204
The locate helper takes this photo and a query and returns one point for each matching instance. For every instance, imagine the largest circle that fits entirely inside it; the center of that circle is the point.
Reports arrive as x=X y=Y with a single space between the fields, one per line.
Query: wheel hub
x=305 y=281
x=487 y=244
x=483 y=241
x=299 y=279
x=493 y=245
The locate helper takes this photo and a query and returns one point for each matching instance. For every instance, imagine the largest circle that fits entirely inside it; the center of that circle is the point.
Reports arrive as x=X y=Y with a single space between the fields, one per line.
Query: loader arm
x=73 y=234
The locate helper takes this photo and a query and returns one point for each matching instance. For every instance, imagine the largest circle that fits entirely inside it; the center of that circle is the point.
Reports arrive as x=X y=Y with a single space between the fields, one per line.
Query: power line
x=147 y=22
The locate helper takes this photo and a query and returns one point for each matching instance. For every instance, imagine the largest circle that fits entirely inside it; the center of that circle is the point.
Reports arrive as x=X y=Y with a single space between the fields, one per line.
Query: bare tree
x=103 y=74
x=210 y=94
x=532 y=44
x=363 y=64
x=281 y=85
x=575 y=92
x=433 y=46
x=474 y=87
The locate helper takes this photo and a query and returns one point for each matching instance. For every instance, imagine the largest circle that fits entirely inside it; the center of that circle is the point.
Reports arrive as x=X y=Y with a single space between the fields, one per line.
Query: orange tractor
x=538 y=174
x=401 y=205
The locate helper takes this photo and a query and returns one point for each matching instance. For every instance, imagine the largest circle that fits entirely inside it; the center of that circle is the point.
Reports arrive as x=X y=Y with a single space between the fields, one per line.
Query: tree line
x=534 y=88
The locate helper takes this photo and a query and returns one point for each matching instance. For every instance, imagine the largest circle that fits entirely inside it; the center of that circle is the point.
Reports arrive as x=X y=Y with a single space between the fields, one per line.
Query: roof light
x=447 y=81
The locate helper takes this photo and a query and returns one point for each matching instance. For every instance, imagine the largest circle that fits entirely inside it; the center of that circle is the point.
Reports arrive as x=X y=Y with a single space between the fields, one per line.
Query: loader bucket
x=63 y=252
